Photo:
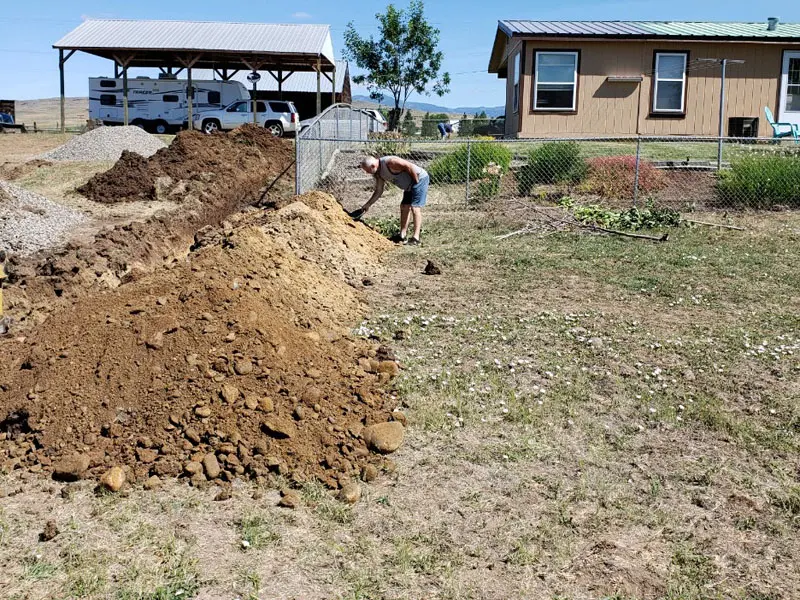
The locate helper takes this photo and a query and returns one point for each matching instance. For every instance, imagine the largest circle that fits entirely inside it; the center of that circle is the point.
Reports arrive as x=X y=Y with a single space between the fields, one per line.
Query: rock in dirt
x=280 y=429
x=223 y=494
x=350 y=493
x=230 y=393
x=369 y=473
x=432 y=269
x=211 y=466
x=71 y=468
x=384 y=437
x=152 y=483
x=50 y=531
x=113 y=479
x=289 y=499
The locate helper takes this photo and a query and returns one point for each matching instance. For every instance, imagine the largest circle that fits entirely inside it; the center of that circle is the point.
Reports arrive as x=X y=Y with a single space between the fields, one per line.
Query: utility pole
x=723 y=62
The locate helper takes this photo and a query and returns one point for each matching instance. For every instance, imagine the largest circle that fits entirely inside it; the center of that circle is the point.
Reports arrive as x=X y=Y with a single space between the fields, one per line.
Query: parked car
x=278 y=116
x=495 y=128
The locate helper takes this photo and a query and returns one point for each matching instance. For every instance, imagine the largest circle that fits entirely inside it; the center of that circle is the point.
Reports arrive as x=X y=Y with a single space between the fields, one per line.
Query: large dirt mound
x=238 y=358
x=210 y=176
x=218 y=161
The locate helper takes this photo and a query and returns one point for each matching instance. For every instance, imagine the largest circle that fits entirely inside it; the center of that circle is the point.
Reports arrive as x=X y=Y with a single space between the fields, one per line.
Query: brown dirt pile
x=236 y=363
x=220 y=163
x=210 y=176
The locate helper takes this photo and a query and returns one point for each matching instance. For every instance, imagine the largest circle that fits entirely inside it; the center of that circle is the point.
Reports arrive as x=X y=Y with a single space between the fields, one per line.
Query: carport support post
x=61 y=60
x=189 y=98
x=319 y=85
x=125 y=94
x=333 y=86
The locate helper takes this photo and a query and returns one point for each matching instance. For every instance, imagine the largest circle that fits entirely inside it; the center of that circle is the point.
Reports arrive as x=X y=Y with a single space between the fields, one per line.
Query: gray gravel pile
x=30 y=222
x=106 y=144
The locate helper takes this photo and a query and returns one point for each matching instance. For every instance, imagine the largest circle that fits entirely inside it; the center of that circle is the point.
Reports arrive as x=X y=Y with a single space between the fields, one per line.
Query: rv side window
x=171 y=98
x=108 y=83
x=214 y=98
x=108 y=100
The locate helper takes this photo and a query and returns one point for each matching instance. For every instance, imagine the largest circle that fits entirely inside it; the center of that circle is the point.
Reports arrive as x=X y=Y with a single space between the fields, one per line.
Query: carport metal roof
x=201 y=45
x=204 y=44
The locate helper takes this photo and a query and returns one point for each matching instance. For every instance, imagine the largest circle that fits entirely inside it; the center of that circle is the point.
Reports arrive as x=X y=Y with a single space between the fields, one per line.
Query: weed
x=614 y=177
x=452 y=168
x=761 y=181
x=258 y=531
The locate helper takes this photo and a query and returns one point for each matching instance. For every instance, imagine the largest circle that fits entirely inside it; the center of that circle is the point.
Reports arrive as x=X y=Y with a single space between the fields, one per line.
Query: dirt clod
x=432 y=269
x=350 y=493
x=113 y=479
x=289 y=499
x=211 y=466
x=49 y=532
x=384 y=437
x=71 y=468
x=369 y=473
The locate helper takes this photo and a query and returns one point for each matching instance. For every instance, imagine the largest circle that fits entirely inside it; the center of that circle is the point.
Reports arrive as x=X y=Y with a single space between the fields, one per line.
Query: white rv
x=158 y=105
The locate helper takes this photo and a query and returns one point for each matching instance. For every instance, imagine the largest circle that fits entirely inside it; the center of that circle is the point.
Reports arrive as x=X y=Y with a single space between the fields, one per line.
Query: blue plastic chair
x=794 y=129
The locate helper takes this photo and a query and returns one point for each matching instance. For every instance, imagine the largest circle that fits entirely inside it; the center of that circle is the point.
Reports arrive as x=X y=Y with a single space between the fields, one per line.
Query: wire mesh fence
x=676 y=172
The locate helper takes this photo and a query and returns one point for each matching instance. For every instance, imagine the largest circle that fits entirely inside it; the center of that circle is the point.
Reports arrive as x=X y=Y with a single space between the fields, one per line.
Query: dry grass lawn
x=590 y=417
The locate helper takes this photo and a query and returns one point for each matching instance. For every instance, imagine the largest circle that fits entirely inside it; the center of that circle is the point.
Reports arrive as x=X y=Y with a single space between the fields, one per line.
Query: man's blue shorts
x=417 y=195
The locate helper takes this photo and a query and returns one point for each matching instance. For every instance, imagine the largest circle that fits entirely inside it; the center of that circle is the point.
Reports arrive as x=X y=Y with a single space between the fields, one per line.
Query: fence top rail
x=629 y=139
x=326 y=115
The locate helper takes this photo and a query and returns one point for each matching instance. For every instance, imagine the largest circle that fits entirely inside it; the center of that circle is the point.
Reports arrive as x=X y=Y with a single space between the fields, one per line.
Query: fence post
x=636 y=173
x=297 y=189
x=469 y=157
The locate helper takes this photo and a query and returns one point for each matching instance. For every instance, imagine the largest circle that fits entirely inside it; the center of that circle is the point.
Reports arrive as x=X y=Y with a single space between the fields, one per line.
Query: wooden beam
x=62 y=59
x=125 y=60
x=319 y=85
x=188 y=62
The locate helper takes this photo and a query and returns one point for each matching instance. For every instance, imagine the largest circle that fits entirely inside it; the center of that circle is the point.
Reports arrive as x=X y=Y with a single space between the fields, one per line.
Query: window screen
x=516 y=82
x=108 y=83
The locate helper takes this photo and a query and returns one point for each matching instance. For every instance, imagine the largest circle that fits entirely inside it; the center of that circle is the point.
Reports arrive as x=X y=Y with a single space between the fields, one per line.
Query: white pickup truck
x=278 y=116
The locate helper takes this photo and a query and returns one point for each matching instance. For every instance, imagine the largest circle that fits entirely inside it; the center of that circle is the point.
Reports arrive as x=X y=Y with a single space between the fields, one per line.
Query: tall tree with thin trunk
x=403 y=59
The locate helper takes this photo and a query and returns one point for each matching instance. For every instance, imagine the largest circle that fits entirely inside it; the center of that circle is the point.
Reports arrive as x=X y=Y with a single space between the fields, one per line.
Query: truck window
x=108 y=83
x=261 y=106
x=214 y=98
x=171 y=98
x=108 y=100
x=280 y=107
x=238 y=107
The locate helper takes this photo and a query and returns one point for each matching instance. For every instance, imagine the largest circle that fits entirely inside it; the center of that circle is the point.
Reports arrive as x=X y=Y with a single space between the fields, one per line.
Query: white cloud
x=301 y=15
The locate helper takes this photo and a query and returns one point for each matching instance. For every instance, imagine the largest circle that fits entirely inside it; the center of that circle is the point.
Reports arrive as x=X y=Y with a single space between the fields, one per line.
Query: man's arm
x=379 y=187
x=398 y=164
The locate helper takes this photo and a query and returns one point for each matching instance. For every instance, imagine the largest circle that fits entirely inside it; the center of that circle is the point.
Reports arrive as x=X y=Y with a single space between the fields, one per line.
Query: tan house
x=615 y=78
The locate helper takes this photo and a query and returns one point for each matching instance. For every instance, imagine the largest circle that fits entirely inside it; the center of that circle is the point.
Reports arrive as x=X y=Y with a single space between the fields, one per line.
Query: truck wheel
x=211 y=126
x=275 y=128
x=161 y=127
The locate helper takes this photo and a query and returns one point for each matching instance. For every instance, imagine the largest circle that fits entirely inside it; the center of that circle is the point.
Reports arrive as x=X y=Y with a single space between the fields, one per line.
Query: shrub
x=452 y=168
x=552 y=162
x=761 y=182
x=388 y=143
x=489 y=186
x=614 y=176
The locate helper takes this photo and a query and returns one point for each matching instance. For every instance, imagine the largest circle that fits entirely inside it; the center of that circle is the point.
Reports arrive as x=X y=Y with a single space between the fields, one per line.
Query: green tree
x=409 y=127
x=404 y=59
x=465 y=126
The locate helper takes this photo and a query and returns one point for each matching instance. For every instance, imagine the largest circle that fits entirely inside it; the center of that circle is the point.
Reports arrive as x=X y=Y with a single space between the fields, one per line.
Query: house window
x=171 y=98
x=516 y=82
x=108 y=100
x=555 y=81
x=669 y=82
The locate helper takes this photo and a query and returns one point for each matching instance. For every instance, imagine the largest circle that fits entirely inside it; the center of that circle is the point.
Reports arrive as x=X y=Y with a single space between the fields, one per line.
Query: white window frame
x=536 y=81
x=515 y=86
x=656 y=79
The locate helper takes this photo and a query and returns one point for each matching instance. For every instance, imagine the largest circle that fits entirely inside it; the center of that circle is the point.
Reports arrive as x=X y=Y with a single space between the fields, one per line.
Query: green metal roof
x=653 y=29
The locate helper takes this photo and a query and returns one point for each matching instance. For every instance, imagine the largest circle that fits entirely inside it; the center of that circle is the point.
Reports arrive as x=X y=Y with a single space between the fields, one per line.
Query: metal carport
x=224 y=47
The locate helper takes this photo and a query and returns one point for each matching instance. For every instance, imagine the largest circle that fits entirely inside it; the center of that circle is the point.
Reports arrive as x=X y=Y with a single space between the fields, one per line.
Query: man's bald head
x=370 y=164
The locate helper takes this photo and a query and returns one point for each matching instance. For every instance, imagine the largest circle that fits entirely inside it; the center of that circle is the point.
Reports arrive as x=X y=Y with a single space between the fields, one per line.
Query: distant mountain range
x=491 y=111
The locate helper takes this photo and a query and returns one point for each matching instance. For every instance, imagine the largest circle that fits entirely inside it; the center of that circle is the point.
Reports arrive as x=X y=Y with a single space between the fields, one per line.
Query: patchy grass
x=590 y=417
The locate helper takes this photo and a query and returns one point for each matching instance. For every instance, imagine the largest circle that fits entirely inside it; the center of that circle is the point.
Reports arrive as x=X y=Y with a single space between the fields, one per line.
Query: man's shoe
x=413 y=242
x=398 y=239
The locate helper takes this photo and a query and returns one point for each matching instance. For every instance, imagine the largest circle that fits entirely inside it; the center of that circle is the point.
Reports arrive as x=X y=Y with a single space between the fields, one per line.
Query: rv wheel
x=161 y=127
x=138 y=123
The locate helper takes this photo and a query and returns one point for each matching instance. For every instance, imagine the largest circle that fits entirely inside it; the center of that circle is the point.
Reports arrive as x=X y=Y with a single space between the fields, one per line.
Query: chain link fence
x=681 y=173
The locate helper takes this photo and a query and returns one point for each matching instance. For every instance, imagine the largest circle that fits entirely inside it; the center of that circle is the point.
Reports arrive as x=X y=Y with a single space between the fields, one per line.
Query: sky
x=28 y=29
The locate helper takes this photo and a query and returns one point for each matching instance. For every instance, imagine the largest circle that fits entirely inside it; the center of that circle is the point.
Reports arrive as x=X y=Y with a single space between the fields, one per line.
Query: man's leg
x=405 y=214
x=417 y=211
